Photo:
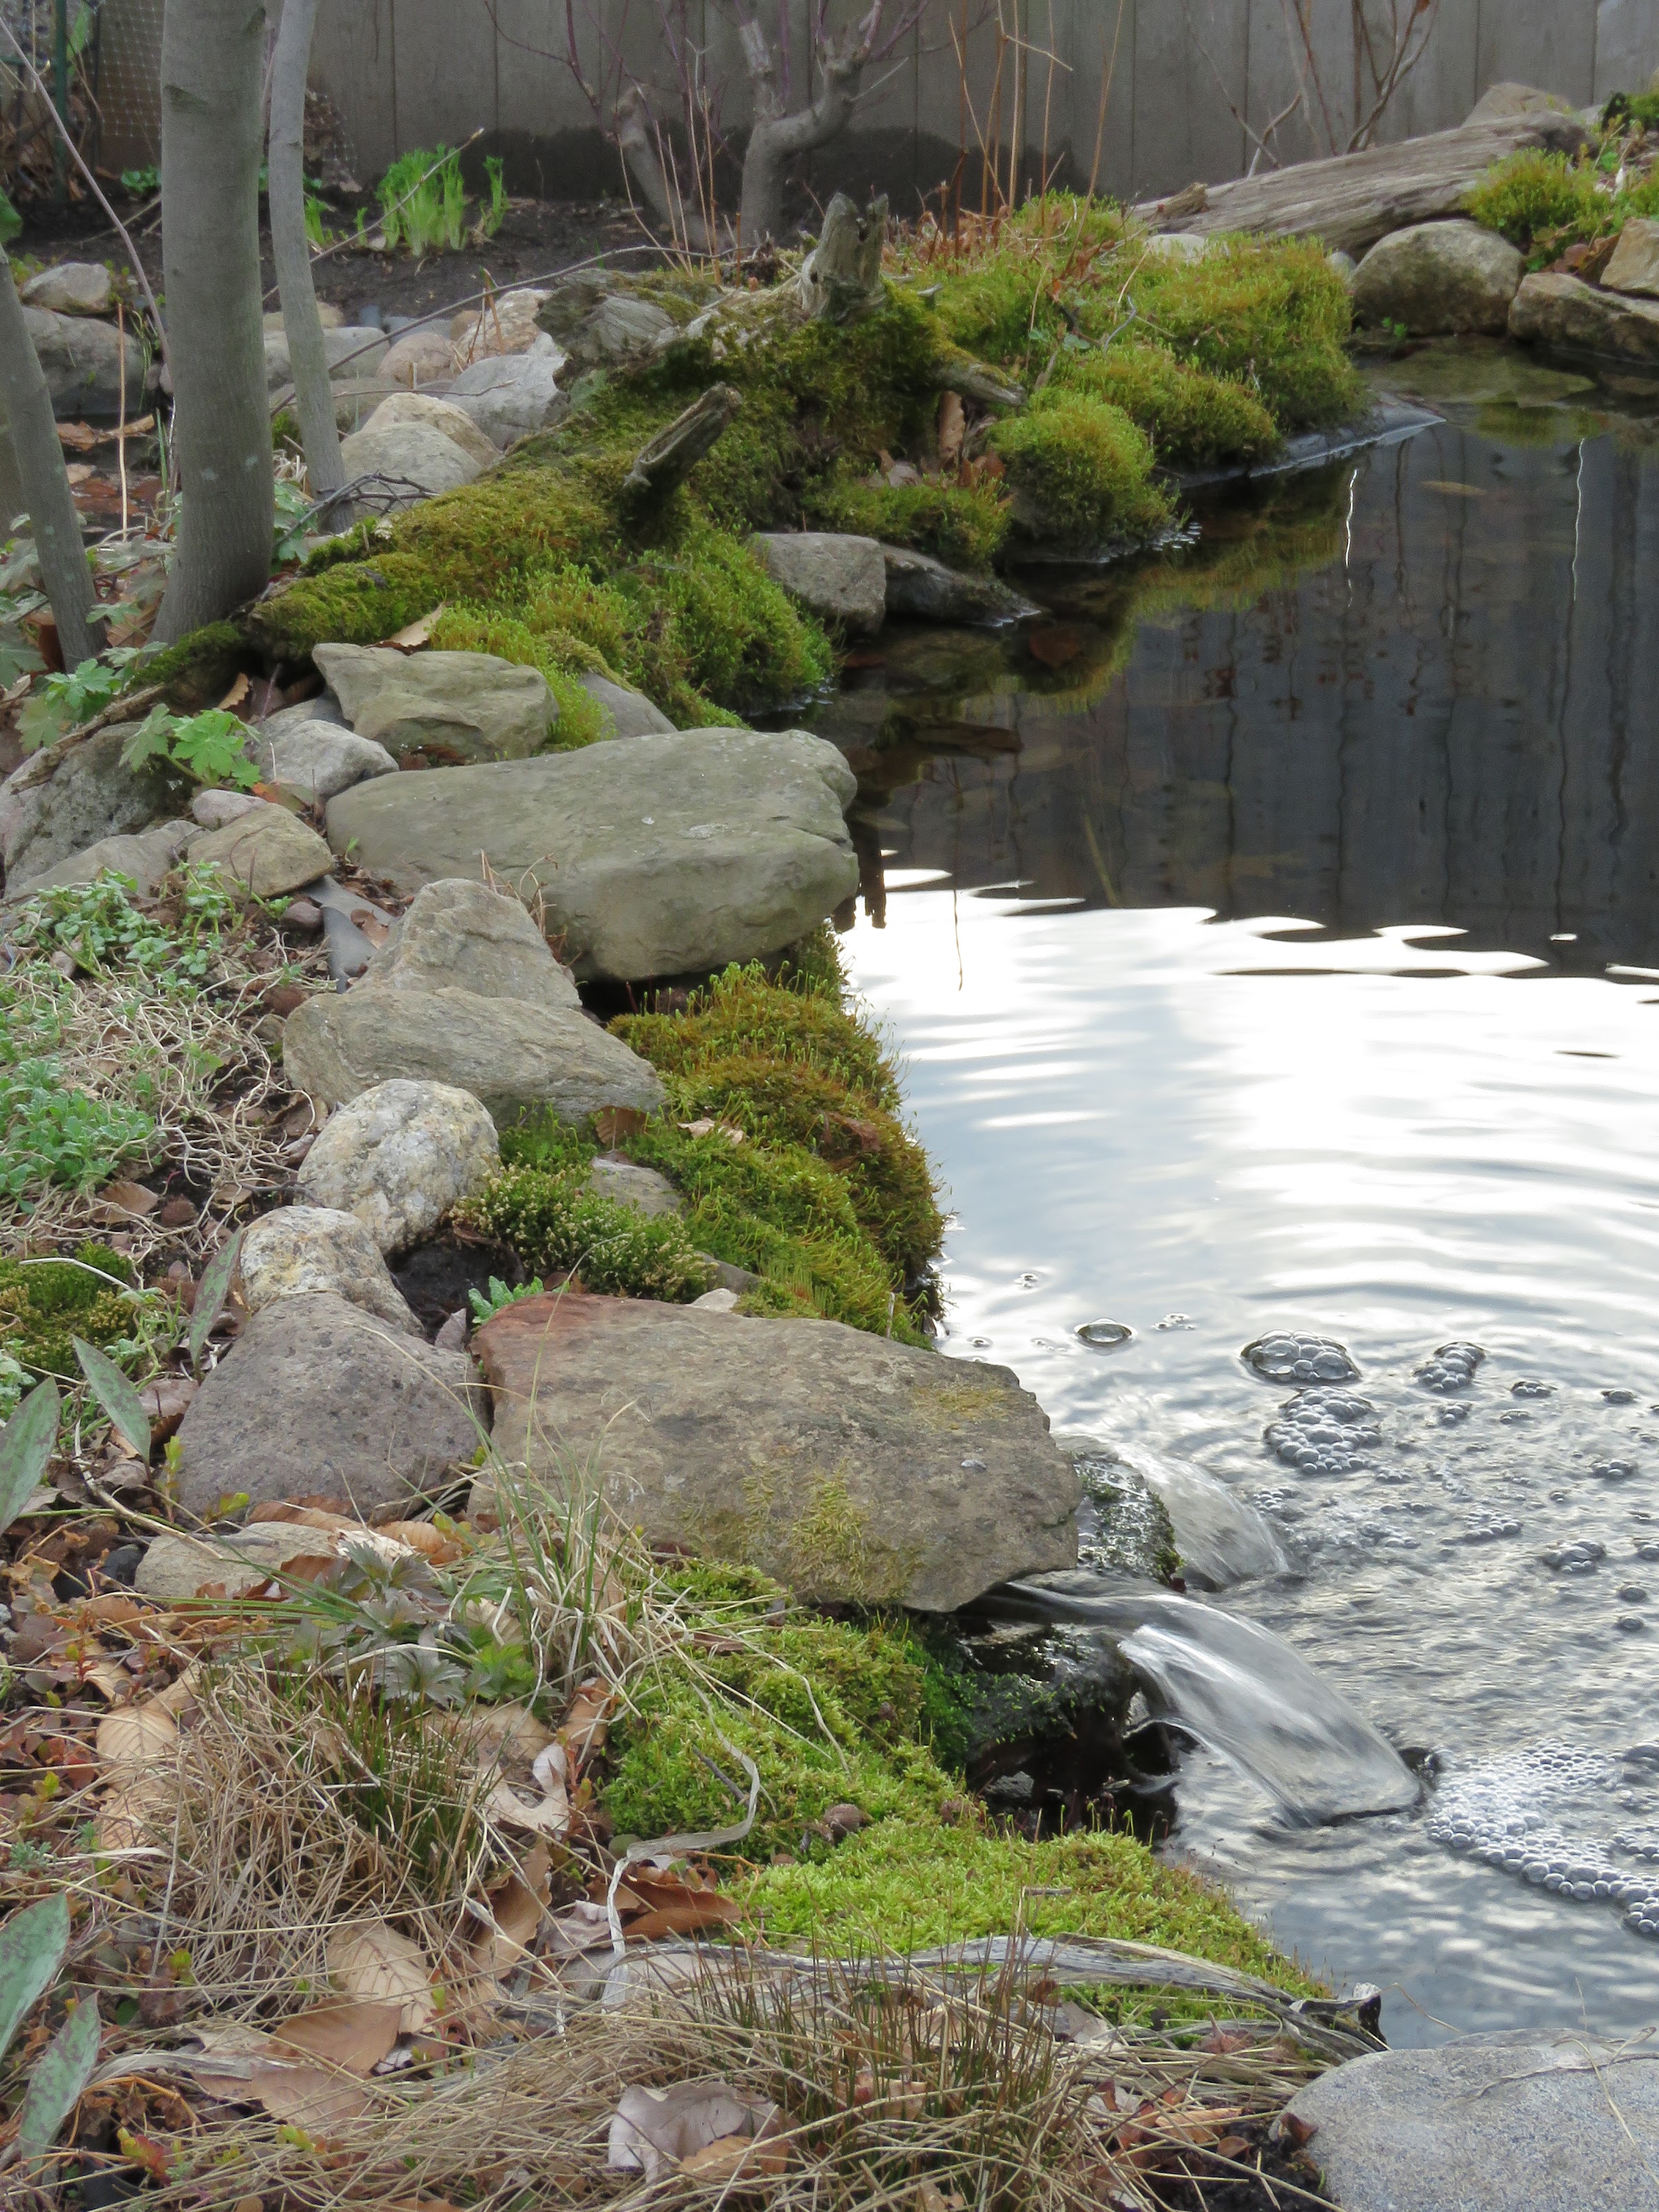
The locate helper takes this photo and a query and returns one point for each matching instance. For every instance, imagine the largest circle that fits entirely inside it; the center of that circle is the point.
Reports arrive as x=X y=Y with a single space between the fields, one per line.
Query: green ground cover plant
x=1545 y=202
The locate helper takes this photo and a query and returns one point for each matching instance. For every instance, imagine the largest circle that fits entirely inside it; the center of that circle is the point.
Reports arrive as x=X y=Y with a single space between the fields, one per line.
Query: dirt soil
x=538 y=239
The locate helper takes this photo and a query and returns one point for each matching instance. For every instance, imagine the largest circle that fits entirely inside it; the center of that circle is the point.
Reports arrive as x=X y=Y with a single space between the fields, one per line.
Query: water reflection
x=1417 y=687
x=1171 y=893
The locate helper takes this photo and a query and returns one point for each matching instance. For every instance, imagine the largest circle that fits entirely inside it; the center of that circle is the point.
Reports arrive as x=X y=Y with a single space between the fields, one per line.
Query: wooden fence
x=1147 y=94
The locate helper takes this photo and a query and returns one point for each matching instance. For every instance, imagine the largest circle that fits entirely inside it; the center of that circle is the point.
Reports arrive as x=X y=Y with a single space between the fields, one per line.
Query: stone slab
x=655 y=855
x=852 y=1467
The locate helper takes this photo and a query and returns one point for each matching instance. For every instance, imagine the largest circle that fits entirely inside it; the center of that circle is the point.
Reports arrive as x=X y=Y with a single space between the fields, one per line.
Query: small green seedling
x=208 y=747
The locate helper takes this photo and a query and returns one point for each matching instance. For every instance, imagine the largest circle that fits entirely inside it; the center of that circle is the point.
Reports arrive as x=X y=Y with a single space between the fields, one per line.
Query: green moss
x=197 y=671
x=582 y=720
x=965 y=525
x=1541 y=200
x=557 y=1227
x=911 y=1883
x=743 y=1011
x=1081 y=472
x=44 y=1304
x=1273 y=315
x=1194 y=420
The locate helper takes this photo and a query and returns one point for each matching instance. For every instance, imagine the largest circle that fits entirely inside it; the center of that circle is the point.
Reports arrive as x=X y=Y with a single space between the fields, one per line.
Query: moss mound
x=1545 y=202
x=45 y=1304
x=807 y=1178
x=1134 y=362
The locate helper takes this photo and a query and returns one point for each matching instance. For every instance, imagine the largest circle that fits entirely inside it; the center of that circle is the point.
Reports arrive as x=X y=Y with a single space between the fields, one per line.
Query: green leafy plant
x=122 y=1406
x=52 y=1134
x=141 y=183
x=99 y=927
x=293 y=520
x=10 y=221
x=208 y=747
x=33 y=1943
x=66 y=700
x=424 y=202
x=318 y=233
x=491 y=218
x=26 y=1448
x=486 y=1304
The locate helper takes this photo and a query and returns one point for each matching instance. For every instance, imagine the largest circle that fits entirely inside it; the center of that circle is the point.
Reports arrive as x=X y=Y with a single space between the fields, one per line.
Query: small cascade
x=1237 y=1689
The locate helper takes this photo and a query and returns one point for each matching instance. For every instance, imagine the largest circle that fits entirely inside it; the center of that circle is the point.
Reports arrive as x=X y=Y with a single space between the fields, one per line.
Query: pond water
x=1273 y=937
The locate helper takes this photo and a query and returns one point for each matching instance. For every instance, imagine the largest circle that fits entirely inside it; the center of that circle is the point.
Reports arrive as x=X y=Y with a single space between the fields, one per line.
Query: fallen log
x=1351 y=201
x=672 y=454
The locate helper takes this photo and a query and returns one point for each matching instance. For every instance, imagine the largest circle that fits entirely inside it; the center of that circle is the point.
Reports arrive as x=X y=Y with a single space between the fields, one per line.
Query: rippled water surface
x=1274 y=937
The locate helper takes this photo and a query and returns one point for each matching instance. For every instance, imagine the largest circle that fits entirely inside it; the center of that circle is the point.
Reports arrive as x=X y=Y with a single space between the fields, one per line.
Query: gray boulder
x=1578 y=318
x=620 y=332
x=458 y=934
x=840 y=578
x=853 y=1468
x=297 y=1250
x=398 y=1157
x=212 y=808
x=446 y=706
x=1437 y=277
x=416 y=460
x=143 y=857
x=58 y=803
x=510 y=396
x=72 y=288
x=926 y=590
x=1505 y=102
x=1634 y=266
x=656 y=856
x=454 y=422
x=323 y=707
x=316 y=760
x=513 y=1056
x=318 y=1397
x=353 y=350
x=80 y=360
x=1528 y=2121
x=631 y=714
x=621 y=1180
x=265 y=853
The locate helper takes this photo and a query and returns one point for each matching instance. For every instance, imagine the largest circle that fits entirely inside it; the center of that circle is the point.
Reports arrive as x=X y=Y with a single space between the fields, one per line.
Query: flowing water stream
x=1272 y=936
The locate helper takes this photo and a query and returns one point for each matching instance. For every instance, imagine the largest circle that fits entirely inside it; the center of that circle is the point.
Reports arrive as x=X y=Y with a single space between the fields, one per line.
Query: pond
x=1272 y=933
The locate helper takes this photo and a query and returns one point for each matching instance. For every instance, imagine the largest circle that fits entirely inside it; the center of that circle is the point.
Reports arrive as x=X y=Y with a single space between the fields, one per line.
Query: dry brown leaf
x=233 y=698
x=128 y=1814
x=108 y=1676
x=550 y=1816
x=953 y=423
x=516 y=1906
x=655 y=2129
x=80 y=472
x=508 y=1735
x=378 y=1966
x=414 y=634
x=930 y=2197
x=167 y=1400
x=421 y=1537
x=581 y=1928
x=612 y=1123
x=137 y=1739
x=177 y=1695
x=352 y=2035
x=721 y=2162
x=585 y=1726
x=79 y=437
x=126 y=1201
x=297 y=2096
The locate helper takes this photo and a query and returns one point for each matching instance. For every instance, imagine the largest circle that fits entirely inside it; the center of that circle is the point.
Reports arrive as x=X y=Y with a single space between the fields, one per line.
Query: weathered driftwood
x=840 y=277
x=1357 y=198
x=673 y=453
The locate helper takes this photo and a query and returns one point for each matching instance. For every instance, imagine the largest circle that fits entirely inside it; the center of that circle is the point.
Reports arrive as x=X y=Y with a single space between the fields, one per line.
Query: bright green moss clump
x=1545 y=202
x=1081 y=473
x=1193 y=420
x=807 y=1178
x=45 y=1304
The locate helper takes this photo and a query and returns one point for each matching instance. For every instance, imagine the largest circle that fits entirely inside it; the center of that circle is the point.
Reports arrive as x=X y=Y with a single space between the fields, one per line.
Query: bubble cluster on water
x=1324 y=1431
x=1613 y=1470
x=1105 y=1335
x=1283 y=1357
x=1578 y=1559
x=1452 y=1367
x=1537 y=1812
x=1526 y=1386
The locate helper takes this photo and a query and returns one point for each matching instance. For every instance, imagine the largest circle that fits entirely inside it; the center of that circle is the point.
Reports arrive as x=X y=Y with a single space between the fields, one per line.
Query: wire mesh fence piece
x=108 y=54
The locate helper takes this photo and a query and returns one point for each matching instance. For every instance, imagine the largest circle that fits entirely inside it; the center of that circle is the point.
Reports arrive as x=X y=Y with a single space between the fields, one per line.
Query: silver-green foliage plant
x=424 y=201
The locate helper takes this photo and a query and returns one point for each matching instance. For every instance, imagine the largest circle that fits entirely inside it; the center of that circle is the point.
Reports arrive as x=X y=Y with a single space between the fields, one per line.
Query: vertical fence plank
x=445 y=65
x=1191 y=59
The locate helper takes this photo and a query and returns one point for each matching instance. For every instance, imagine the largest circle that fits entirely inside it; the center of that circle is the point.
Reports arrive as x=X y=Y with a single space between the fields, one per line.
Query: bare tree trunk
x=639 y=138
x=307 y=356
x=211 y=56
x=42 y=480
x=777 y=139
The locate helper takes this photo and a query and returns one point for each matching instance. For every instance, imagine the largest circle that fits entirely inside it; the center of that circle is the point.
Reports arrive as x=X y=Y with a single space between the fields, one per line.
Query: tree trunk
x=840 y=278
x=777 y=139
x=307 y=357
x=212 y=52
x=639 y=137
x=42 y=481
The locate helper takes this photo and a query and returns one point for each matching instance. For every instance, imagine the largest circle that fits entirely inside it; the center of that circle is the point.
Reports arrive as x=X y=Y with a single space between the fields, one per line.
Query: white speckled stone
x=399 y=1155
x=301 y=1249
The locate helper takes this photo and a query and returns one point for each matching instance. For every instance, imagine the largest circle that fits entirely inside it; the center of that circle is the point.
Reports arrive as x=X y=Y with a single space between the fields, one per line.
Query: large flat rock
x=1523 y=2122
x=317 y=1397
x=65 y=798
x=656 y=855
x=513 y=1056
x=446 y=707
x=1567 y=313
x=852 y=1467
